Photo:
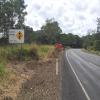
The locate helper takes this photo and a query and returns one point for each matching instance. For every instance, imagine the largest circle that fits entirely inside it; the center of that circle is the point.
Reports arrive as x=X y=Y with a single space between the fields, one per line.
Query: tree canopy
x=92 y=41
x=12 y=14
x=49 y=32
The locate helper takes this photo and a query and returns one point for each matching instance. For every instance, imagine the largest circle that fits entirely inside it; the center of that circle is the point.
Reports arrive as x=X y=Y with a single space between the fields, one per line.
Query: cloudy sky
x=73 y=16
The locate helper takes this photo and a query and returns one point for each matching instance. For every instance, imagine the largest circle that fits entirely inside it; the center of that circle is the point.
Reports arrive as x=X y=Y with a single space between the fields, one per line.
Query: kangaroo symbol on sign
x=19 y=35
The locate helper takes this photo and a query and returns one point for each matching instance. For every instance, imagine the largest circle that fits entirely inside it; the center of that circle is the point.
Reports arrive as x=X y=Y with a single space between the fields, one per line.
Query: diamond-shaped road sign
x=19 y=35
x=16 y=36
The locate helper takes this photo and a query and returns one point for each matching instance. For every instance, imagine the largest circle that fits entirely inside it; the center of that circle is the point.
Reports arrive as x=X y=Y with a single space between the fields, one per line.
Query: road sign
x=19 y=35
x=16 y=36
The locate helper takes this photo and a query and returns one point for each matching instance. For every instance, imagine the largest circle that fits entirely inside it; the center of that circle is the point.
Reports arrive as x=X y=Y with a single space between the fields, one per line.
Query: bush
x=97 y=45
x=33 y=53
x=90 y=48
x=24 y=54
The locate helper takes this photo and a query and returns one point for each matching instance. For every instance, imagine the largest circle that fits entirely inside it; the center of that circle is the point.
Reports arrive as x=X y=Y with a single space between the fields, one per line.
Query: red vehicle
x=59 y=46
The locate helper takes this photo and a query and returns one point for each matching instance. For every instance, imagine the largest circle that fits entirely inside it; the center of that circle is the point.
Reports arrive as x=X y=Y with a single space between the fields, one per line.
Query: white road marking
x=86 y=94
x=56 y=66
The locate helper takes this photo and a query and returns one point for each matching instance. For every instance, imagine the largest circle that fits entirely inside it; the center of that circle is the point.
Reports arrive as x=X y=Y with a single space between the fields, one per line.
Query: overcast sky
x=73 y=16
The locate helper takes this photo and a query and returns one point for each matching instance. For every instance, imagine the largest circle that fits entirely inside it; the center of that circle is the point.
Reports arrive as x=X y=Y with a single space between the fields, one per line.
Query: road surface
x=80 y=76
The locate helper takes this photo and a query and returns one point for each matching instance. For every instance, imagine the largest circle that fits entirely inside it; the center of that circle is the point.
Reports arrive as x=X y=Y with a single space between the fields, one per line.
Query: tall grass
x=45 y=50
x=2 y=70
x=6 y=51
x=12 y=52
x=28 y=51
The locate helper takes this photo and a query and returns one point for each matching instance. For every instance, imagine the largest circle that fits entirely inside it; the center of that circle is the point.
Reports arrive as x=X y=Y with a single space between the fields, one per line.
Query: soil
x=35 y=80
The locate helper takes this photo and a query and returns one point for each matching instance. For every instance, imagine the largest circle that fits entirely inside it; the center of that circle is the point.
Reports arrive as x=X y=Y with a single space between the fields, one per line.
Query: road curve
x=87 y=69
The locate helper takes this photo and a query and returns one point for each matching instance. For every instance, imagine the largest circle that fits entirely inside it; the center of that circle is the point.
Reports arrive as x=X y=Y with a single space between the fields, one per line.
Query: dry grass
x=13 y=52
x=9 y=80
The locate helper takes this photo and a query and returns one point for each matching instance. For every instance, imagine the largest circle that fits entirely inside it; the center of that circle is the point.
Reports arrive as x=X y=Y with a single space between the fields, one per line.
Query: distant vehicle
x=59 y=47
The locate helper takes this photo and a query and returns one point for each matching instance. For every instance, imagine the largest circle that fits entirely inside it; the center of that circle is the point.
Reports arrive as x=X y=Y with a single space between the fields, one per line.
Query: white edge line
x=86 y=94
x=56 y=66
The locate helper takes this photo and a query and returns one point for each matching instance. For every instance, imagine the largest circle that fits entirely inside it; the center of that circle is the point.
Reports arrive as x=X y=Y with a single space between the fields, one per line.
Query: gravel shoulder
x=43 y=84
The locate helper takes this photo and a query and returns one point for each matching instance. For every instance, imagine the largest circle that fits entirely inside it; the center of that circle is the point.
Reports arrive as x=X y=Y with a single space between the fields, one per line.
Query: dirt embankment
x=35 y=80
x=43 y=85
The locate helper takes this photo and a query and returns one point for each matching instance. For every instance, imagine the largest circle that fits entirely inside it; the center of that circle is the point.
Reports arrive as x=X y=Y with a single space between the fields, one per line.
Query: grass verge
x=2 y=70
x=28 y=52
x=92 y=51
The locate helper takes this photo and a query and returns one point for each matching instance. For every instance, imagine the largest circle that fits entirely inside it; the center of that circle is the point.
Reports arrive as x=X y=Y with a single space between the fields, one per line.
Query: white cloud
x=74 y=16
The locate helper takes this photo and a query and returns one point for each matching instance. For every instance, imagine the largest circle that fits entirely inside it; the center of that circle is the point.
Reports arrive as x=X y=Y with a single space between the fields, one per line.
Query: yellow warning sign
x=19 y=35
x=16 y=36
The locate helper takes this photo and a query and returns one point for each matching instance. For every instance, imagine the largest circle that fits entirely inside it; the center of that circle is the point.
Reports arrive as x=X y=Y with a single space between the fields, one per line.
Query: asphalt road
x=80 y=75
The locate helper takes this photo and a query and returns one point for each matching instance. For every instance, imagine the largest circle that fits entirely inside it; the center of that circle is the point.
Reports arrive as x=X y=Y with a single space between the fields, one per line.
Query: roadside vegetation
x=92 y=51
x=2 y=70
x=91 y=42
x=28 y=52
x=17 y=65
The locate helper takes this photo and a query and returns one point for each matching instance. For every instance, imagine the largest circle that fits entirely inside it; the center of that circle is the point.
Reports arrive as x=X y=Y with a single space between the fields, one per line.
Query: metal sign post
x=20 y=35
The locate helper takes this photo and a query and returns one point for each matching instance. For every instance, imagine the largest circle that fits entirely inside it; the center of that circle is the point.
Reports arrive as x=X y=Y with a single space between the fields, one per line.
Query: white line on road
x=86 y=94
x=56 y=66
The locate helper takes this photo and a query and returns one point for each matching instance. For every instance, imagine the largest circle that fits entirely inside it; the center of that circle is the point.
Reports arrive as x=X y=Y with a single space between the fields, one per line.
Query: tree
x=51 y=29
x=70 y=40
x=20 y=11
x=6 y=16
x=88 y=40
x=98 y=25
x=30 y=35
x=97 y=45
x=9 y=11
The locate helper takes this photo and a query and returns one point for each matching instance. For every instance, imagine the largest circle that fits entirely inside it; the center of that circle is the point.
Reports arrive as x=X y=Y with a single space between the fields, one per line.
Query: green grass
x=28 y=52
x=2 y=70
x=45 y=50
x=33 y=51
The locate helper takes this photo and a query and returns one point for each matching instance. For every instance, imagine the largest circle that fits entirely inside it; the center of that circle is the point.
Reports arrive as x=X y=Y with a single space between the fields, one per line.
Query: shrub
x=97 y=45
x=25 y=54
x=33 y=53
